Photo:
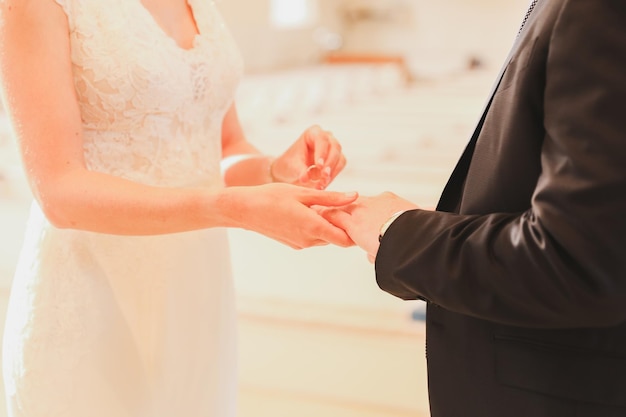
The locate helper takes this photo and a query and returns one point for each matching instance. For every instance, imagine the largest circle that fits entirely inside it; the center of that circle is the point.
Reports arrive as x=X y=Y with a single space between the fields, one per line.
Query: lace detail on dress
x=152 y=111
x=56 y=337
x=102 y=325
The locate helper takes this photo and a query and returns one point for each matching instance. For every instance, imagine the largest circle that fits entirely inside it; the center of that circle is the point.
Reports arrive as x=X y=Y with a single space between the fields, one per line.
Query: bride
x=122 y=303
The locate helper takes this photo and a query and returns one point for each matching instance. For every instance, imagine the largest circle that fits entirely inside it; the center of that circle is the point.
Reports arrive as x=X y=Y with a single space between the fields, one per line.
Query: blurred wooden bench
x=369 y=58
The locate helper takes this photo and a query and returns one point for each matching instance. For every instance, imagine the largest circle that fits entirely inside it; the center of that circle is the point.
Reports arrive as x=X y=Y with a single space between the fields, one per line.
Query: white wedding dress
x=114 y=326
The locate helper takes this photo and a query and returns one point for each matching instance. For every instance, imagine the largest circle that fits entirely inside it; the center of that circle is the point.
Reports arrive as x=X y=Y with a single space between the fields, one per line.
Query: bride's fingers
x=317 y=144
x=324 y=150
x=332 y=151
x=341 y=164
x=319 y=243
x=333 y=171
x=331 y=233
x=339 y=238
x=337 y=217
x=318 y=209
x=311 y=197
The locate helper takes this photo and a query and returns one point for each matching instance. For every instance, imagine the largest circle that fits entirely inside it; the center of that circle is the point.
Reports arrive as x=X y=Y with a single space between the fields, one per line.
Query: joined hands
x=362 y=219
x=343 y=219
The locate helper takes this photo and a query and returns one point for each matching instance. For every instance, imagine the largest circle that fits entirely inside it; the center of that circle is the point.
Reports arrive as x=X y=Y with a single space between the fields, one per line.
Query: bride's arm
x=40 y=100
x=243 y=164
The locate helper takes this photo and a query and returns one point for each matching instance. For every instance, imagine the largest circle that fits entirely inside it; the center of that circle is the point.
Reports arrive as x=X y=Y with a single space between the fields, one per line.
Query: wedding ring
x=315 y=173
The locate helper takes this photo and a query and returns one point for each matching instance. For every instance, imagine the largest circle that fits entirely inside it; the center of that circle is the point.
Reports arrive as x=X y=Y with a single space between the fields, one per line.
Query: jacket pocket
x=565 y=372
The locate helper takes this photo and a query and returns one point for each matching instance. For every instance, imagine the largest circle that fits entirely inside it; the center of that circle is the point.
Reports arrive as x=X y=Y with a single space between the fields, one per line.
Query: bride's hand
x=288 y=213
x=313 y=161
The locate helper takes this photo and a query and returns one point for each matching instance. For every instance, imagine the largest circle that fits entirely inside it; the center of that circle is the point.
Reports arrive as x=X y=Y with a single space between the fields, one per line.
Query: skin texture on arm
x=40 y=100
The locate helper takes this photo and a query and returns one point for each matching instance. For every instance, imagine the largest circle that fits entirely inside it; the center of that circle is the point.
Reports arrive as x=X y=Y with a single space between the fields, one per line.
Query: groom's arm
x=560 y=263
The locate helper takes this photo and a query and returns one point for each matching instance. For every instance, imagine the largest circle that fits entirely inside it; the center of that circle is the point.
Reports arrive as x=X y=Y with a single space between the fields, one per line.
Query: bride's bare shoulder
x=25 y=8
x=22 y=17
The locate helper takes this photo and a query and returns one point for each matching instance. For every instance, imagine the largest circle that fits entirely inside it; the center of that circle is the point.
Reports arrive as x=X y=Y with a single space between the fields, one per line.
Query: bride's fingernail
x=320 y=161
x=350 y=194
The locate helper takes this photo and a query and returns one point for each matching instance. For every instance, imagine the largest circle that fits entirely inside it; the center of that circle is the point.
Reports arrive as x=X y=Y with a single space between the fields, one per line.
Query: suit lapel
x=450 y=199
x=451 y=196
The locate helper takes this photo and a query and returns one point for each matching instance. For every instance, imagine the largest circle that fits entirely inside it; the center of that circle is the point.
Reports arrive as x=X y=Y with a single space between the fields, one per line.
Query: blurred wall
x=267 y=48
x=433 y=36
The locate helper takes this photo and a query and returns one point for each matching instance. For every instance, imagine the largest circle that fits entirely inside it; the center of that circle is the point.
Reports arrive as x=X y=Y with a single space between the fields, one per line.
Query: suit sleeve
x=562 y=263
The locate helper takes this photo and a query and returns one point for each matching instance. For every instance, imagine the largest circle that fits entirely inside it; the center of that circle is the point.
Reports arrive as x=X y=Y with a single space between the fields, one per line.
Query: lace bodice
x=151 y=110
x=106 y=325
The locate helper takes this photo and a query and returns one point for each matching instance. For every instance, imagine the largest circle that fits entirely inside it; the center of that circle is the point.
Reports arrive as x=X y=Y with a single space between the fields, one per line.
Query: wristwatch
x=386 y=225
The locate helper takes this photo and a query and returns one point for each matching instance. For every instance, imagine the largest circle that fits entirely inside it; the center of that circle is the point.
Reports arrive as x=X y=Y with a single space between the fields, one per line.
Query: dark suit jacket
x=523 y=265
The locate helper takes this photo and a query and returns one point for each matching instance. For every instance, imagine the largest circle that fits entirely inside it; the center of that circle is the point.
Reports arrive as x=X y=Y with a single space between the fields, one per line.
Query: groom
x=523 y=265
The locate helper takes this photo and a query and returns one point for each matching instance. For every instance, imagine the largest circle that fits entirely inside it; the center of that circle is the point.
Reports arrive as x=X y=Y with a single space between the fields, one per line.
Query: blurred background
x=401 y=83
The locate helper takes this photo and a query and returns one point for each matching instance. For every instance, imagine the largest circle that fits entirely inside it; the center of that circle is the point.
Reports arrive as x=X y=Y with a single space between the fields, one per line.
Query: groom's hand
x=362 y=220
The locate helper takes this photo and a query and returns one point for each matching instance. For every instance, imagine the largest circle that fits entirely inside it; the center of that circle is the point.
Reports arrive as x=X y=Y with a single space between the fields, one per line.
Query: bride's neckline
x=155 y=23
